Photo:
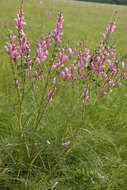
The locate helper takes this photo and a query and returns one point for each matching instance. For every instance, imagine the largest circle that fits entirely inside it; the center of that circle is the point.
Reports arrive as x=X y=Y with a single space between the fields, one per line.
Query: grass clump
x=54 y=133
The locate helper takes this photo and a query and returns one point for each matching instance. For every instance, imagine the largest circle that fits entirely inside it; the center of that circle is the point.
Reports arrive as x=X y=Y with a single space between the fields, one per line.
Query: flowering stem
x=14 y=75
x=38 y=119
x=20 y=128
x=39 y=112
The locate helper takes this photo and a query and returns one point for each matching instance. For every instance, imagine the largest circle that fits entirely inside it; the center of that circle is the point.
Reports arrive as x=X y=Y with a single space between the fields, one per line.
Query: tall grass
x=96 y=158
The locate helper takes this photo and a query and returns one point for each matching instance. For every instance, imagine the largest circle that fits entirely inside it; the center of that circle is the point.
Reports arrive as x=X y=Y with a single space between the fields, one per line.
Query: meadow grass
x=100 y=149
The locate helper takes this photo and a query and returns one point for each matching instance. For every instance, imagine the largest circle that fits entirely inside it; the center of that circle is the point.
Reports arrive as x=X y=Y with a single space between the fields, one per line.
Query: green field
x=100 y=149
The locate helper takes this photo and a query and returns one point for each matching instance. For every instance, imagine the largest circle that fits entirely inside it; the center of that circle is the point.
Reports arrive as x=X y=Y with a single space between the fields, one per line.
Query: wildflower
x=17 y=84
x=124 y=75
x=74 y=78
x=19 y=20
x=50 y=94
x=104 y=76
x=83 y=76
x=118 y=84
x=101 y=67
x=111 y=83
x=21 y=85
x=9 y=144
x=86 y=52
x=63 y=74
x=54 y=185
x=109 y=62
x=104 y=93
x=122 y=64
x=66 y=74
x=72 y=67
x=102 y=177
x=64 y=59
x=85 y=95
x=104 y=36
x=70 y=53
x=54 y=81
x=66 y=143
x=48 y=142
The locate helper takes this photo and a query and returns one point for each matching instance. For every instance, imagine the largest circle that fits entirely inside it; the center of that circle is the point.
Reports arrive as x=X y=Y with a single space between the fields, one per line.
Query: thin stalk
x=20 y=126
x=14 y=74
x=39 y=113
x=64 y=132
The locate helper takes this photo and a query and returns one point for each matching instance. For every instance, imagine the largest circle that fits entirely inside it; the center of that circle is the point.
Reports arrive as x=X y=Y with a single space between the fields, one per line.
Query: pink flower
x=104 y=36
x=19 y=20
x=48 y=142
x=17 y=84
x=9 y=144
x=21 y=85
x=96 y=73
x=50 y=96
x=104 y=76
x=80 y=70
x=6 y=49
x=124 y=75
x=27 y=72
x=54 y=185
x=101 y=67
x=104 y=93
x=118 y=84
x=92 y=66
x=64 y=59
x=53 y=67
x=86 y=59
x=70 y=53
x=86 y=55
x=110 y=28
x=38 y=60
x=66 y=143
x=86 y=52
x=122 y=64
x=98 y=59
x=115 y=70
x=68 y=74
x=102 y=177
x=63 y=74
x=109 y=62
x=72 y=67
x=85 y=95
x=111 y=83
x=113 y=26
x=13 y=39
x=83 y=76
x=74 y=78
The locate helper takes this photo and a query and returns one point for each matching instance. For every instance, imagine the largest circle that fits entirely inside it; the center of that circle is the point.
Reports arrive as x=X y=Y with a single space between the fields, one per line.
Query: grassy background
x=101 y=147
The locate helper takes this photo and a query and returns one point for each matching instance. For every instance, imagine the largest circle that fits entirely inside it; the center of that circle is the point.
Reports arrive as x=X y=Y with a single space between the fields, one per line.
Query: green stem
x=20 y=125
x=20 y=115
x=39 y=113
